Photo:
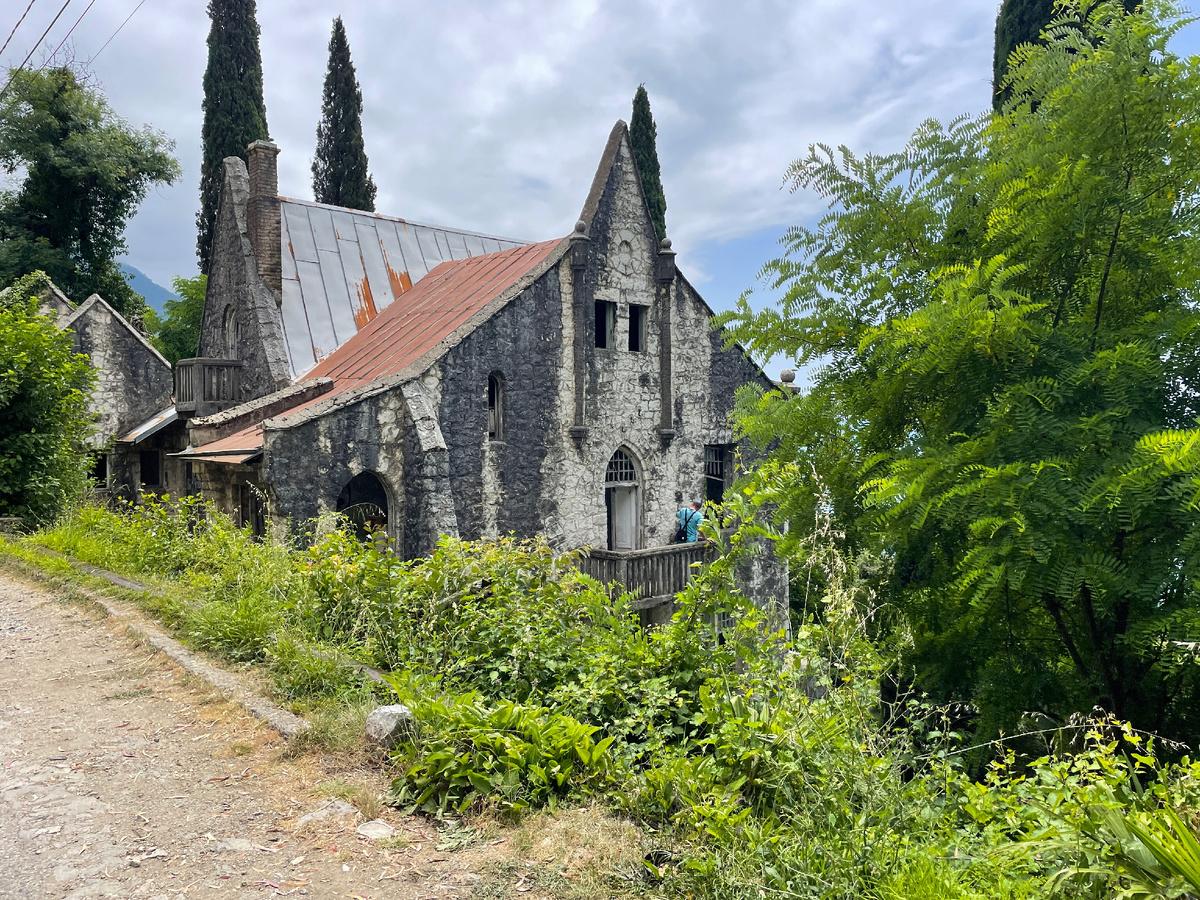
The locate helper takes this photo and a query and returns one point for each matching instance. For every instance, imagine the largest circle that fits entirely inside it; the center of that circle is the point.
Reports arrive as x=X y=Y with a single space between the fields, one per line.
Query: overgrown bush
x=771 y=764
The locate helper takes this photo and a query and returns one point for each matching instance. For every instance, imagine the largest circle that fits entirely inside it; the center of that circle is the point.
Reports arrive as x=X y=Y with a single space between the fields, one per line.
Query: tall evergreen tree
x=234 y=111
x=1021 y=22
x=339 y=168
x=643 y=134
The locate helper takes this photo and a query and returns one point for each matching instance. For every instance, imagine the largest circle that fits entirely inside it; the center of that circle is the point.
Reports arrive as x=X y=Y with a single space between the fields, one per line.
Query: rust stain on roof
x=399 y=281
x=365 y=311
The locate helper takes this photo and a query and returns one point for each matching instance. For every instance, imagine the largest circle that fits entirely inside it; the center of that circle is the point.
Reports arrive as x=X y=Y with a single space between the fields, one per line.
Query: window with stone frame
x=606 y=324
x=638 y=316
x=718 y=471
x=495 y=392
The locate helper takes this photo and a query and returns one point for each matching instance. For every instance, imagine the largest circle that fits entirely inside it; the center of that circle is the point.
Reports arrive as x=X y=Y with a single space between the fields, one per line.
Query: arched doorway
x=364 y=501
x=622 y=502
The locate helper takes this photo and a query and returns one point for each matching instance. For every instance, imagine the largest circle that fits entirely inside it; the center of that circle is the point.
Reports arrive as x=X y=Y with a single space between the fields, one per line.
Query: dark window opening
x=637 y=327
x=252 y=508
x=495 y=407
x=718 y=471
x=150 y=464
x=606 y=324
x=100 y=470
x=364 y=501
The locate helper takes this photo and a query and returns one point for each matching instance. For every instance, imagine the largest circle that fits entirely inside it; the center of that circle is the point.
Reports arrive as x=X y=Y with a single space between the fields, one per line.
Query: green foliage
x=786 y=774
x=178 y=333
x=339 y=168
x=44 y=418
x=1021 y=22
x=505 y=755
x=1002 y=315
x=235 y=114
x=643 y=137
x=81 y=174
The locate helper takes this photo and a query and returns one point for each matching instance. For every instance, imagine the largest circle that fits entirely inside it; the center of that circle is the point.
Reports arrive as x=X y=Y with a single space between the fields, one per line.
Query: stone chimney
x=263 y=212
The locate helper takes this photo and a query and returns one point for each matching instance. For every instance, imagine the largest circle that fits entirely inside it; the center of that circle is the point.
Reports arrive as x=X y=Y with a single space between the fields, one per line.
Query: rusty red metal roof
x=419 y=319
x=406 y=330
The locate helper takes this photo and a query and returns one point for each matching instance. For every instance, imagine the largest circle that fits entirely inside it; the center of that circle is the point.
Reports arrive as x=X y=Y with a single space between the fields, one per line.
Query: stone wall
x=308 y=465
x=133 y=381
x=234 y=284
x=498 y=484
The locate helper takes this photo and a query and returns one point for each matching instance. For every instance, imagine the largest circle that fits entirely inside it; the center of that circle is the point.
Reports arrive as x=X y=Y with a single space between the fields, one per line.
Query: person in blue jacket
x=688 y=520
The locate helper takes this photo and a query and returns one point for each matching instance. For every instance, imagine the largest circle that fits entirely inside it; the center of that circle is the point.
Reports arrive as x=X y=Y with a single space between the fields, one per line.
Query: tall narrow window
x=495 y=407
x=637 y=327
x=718 y=471
x=233 y=334
x=606 y=324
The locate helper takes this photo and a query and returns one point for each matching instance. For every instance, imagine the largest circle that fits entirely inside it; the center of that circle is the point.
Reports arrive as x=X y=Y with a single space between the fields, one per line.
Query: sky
x=491 y=116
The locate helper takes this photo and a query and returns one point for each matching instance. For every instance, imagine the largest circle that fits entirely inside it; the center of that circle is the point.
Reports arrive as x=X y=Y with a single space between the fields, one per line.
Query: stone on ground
x=387 y=726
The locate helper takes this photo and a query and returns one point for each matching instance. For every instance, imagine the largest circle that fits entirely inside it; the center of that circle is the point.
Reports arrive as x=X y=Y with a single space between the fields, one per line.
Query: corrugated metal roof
x=414 y=324
x=342 y=266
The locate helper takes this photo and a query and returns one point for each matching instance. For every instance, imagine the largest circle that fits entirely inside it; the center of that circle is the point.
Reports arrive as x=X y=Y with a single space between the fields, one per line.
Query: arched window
x=364 y=501
x=622 y=502
x=232 y=330
x=495 y=407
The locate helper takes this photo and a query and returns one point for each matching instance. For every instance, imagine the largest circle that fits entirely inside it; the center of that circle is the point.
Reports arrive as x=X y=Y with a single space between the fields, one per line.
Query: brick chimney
x=263 y=212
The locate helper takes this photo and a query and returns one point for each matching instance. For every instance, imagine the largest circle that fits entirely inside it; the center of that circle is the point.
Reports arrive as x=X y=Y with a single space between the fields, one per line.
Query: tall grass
x=768 y=762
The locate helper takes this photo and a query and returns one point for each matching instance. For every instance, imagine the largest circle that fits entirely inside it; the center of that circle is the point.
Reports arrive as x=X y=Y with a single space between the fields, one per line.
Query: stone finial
x=579 y=245
x=666 y=261
x=263 y=212
x=787 y=376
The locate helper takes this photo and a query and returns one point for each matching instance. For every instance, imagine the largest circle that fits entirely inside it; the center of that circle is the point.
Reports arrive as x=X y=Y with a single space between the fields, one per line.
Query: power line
x=17 y=70
x=8 y=40
x=115 y=33
x=66 y=36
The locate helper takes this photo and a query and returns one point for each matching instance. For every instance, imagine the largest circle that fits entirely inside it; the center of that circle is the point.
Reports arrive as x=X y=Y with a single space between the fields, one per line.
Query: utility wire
x=115 y=33
x=66 y=36
x=17 y=70
x=8 y=40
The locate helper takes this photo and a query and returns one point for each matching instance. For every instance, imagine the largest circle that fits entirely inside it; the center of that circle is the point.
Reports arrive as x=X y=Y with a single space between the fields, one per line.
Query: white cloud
x=492 y=115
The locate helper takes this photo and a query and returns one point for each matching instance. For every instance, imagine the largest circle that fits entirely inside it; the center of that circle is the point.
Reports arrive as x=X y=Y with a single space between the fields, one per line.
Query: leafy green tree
x=339 y=168
x=81 y=174
x=1020 y=22
x=1004 y=319
x=643 y=135
x=178 y=333
x=43 y=408
x=235 y=114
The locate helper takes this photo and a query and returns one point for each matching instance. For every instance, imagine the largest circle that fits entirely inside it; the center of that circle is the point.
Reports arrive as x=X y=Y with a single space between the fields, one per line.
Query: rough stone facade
x=241 y=312
x=133 y=380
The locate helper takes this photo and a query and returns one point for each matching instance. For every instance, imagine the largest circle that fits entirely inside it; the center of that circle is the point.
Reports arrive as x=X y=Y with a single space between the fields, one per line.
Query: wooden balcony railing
x=655 y=574
x=205 y=386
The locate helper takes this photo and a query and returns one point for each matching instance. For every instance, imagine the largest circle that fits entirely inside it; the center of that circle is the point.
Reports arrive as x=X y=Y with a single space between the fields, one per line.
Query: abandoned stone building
x=449 y=382
x=133 y=385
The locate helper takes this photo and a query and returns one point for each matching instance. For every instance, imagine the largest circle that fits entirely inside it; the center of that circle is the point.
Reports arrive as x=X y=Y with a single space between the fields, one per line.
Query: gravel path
x=122 y=777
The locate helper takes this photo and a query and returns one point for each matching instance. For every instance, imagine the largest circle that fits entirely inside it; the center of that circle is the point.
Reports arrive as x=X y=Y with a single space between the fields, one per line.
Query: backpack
x=682 y=531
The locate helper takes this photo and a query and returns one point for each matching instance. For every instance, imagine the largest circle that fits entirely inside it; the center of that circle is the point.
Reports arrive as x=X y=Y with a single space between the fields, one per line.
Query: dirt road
x=122 y=777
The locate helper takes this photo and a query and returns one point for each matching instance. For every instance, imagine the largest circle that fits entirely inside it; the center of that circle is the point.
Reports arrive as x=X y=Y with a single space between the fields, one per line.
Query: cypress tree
x=339 y=168
x=642 y=135
x=1021 y=22
x=234 y=112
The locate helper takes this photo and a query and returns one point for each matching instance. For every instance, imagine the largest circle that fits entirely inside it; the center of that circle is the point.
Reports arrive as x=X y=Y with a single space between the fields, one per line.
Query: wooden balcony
x=205 y=386
x=655 y=575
